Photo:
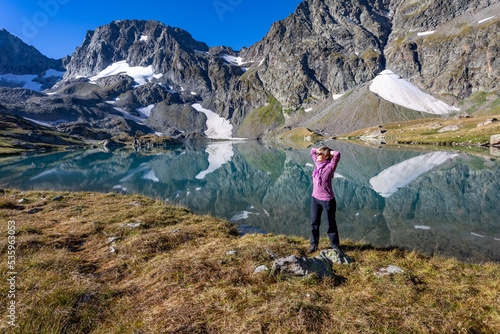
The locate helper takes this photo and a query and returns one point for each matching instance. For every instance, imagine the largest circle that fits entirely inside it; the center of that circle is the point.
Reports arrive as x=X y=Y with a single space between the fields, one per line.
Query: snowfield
x=233 y=60
x=48 y=124
x=140 y=74
x=425 y=33
x=486 y=19
x=393 y=88
x=217 y=127
x=146 y=111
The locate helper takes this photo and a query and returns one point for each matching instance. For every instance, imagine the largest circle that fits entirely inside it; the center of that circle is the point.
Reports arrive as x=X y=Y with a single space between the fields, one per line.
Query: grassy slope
x=18 y=135
x=426 y=131
x=172 y=274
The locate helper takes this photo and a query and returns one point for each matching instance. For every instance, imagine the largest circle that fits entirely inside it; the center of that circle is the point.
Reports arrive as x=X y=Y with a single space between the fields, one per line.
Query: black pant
x=317 y=207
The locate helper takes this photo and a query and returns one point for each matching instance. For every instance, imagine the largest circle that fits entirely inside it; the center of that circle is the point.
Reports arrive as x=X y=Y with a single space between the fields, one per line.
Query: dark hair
x=324 y=151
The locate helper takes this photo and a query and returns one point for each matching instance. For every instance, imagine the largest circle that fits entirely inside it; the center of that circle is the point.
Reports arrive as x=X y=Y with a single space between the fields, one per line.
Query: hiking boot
x=313 y=248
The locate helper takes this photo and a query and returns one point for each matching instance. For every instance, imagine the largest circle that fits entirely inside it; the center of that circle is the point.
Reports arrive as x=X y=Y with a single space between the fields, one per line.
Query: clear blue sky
x=57 y=27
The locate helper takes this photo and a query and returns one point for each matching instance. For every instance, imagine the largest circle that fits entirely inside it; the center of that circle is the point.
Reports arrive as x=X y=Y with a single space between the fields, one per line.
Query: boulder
x=390 y=270
x=452 y=127
x=376 y=133
x=303 y=266
x=487 y=122
x=495 y=140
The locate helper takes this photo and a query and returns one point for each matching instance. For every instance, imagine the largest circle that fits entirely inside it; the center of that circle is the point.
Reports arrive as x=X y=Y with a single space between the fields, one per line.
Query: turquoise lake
x=432 y=200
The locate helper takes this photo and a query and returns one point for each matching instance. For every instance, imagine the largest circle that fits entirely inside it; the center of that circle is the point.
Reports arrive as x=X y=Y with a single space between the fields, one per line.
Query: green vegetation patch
x=264 y=118
x=370 y=54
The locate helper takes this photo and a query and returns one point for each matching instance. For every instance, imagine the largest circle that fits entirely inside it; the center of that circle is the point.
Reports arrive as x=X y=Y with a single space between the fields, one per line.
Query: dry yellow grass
x=171 y=274
x=426 y=131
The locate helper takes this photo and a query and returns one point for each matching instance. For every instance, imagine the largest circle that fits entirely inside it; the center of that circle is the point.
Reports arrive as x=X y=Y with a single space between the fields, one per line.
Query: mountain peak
x=139 y=42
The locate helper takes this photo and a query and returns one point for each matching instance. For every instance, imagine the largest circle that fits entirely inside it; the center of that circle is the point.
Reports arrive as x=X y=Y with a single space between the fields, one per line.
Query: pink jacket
x=322 y=181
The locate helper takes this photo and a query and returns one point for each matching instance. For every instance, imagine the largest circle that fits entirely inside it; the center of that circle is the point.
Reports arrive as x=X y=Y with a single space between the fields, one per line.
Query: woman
x=323 y=199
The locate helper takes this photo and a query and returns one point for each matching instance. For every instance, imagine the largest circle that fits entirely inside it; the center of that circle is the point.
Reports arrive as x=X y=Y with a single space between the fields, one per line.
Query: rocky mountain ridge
x=22 y=65
x=312 y=69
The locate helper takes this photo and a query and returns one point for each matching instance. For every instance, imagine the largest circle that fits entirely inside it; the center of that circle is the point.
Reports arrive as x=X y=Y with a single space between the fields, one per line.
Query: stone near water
x=494 y=151
x=303 y=266
x=495 y=140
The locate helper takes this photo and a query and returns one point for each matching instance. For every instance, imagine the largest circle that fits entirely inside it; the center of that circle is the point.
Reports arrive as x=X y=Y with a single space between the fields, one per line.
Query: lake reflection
x=435 y=201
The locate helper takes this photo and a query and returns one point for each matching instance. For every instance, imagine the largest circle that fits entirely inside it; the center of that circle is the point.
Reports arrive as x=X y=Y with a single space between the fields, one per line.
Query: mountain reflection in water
x=436 y=201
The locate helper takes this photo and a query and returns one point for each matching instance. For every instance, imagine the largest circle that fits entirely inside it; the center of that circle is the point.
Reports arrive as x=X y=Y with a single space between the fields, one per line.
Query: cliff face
x=16 y=57
x=448 y=48
x=325 y=47
x=171 y=51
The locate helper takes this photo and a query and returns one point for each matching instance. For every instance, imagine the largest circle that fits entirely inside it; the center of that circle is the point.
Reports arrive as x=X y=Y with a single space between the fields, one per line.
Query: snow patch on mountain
x=238 y=61
x=27 y=81
x=54 y=73
x=425 y=33
x=233 y=60
x=390 y=180
x=146 y=111
x=48 y=124
x=486 y=19
x=393 y=88
x=140 y=74
x=217 y=127
x=138 y=119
